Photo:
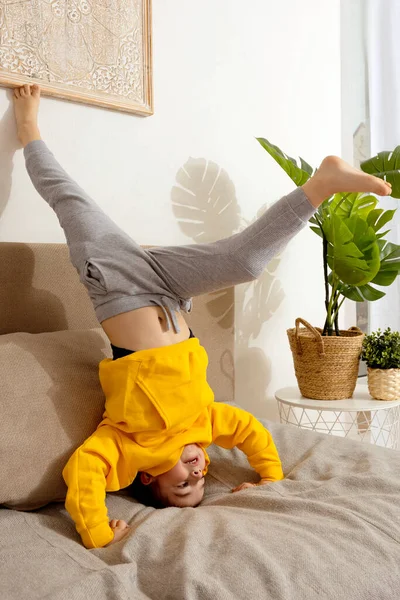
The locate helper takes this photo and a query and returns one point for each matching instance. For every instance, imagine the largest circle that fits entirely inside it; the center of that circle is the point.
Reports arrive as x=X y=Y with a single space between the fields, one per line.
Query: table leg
x=363 y=421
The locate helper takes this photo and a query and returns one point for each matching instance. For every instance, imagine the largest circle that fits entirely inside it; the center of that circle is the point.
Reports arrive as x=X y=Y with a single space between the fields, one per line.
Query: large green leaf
x=298 y=174
x=373 y=216
x=388 y=271
x=351 y=204
x=382 y=234
x=353 y=250
x=384 y=277
x=358 y=293
x=378 y=218
x=389 y=255
x=323 y=211
x=386 y=166
x=317 y=230
x=370 y=293
x=351 y=292
x=362 y=293
x=383 y=219
x=363 y=205
x=389 y=251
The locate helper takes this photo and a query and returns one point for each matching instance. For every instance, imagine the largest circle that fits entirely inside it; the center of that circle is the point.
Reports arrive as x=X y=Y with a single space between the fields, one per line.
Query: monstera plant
x=356 y=255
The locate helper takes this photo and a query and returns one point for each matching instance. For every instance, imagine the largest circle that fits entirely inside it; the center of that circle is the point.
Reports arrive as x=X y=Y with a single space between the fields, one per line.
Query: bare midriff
x=144 y=328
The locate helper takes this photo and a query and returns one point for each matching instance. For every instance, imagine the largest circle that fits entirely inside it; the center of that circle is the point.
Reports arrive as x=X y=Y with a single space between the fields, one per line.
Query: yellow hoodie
x=157 y=402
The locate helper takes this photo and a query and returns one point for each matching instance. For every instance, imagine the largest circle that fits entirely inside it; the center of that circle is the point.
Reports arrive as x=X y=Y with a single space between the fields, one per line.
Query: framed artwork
x=91 y=51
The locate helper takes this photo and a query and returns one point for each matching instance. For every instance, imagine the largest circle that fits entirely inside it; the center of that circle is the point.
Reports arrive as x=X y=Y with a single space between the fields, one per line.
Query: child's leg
x=120 y=276
x=115 y=270
x=112 y=266
x=200 y=268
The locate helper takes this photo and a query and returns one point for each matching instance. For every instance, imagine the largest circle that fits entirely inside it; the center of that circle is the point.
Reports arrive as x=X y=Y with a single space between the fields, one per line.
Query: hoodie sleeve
x=233 y=426
x=96 y=466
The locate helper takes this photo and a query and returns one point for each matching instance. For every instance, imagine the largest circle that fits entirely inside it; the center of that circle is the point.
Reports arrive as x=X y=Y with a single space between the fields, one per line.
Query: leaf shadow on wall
x=205 y=205
x=8 y=146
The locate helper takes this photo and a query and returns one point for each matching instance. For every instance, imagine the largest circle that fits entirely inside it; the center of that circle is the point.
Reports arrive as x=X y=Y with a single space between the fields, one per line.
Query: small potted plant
x=381 y=352
x=357 y=257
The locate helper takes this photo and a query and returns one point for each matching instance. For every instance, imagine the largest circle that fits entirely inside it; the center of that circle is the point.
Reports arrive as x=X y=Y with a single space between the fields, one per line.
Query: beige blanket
x=330 y=530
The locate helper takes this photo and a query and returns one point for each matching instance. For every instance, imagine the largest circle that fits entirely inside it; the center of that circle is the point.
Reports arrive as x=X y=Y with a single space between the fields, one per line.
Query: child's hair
x=145 y=494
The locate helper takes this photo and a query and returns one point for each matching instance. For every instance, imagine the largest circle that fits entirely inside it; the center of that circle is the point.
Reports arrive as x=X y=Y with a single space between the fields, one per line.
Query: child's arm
x=95 y=466
x=236 y=427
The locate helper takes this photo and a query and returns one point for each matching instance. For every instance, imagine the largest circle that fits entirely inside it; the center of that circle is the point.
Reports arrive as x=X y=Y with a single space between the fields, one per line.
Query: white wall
x=224 y=72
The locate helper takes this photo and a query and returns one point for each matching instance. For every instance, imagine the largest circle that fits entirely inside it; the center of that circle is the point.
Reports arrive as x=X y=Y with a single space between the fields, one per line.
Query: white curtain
x=383 y=76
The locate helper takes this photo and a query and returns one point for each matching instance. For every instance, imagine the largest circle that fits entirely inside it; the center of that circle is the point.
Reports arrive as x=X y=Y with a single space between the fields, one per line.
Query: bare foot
x=335 y=175
x=26 y=106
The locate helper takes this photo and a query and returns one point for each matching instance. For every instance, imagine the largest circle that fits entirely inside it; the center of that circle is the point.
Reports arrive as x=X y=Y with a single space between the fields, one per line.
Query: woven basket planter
x=384 y=384
x=326 y=367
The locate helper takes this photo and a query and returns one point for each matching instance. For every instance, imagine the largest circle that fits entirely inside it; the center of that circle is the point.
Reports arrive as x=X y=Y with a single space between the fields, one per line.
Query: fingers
x=264 y=482
x=243 y=486
x=246 y=484
x=118 y=524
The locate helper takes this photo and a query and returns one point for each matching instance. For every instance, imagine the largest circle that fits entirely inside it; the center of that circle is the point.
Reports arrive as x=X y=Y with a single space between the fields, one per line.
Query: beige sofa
x=330 y=530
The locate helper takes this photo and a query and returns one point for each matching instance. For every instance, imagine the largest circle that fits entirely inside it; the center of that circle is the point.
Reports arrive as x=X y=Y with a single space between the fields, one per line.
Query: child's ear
x=146 y=479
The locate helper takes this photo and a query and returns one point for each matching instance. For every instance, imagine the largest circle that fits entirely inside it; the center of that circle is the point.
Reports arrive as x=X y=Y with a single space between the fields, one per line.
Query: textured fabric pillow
x=50 y=402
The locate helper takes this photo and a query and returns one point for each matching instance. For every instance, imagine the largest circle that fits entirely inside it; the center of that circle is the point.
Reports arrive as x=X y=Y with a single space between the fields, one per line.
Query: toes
x=382 y=187
x=26 y=90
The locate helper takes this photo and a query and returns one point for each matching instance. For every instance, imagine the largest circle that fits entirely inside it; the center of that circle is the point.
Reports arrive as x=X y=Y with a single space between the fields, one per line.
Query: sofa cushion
x=50 y=402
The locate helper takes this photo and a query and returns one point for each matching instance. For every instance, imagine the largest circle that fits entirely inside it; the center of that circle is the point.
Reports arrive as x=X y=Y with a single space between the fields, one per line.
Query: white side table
x=360 y=417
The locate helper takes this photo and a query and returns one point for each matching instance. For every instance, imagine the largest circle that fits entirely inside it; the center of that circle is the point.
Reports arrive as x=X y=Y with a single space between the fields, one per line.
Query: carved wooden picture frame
x=91 y=51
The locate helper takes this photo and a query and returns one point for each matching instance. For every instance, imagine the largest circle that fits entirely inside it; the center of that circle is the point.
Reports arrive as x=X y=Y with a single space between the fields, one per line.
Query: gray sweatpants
x=121 y=276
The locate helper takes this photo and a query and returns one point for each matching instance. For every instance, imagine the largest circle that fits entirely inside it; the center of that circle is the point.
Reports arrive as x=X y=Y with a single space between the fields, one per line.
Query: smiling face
x=183 y=485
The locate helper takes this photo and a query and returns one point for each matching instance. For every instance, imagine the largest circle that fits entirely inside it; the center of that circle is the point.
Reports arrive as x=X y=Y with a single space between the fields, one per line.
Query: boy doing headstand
x=160 y=414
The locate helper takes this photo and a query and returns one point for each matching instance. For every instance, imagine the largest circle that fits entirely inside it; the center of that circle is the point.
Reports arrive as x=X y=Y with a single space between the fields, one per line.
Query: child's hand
x=120 y=528
x=245 y=485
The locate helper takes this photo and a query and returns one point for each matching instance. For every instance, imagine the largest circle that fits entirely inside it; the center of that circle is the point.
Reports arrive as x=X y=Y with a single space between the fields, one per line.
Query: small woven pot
x=326 y=367
x=384 y=384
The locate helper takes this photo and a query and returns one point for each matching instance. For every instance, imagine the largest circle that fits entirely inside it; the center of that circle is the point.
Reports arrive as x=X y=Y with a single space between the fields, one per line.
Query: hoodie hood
x=156 y=390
